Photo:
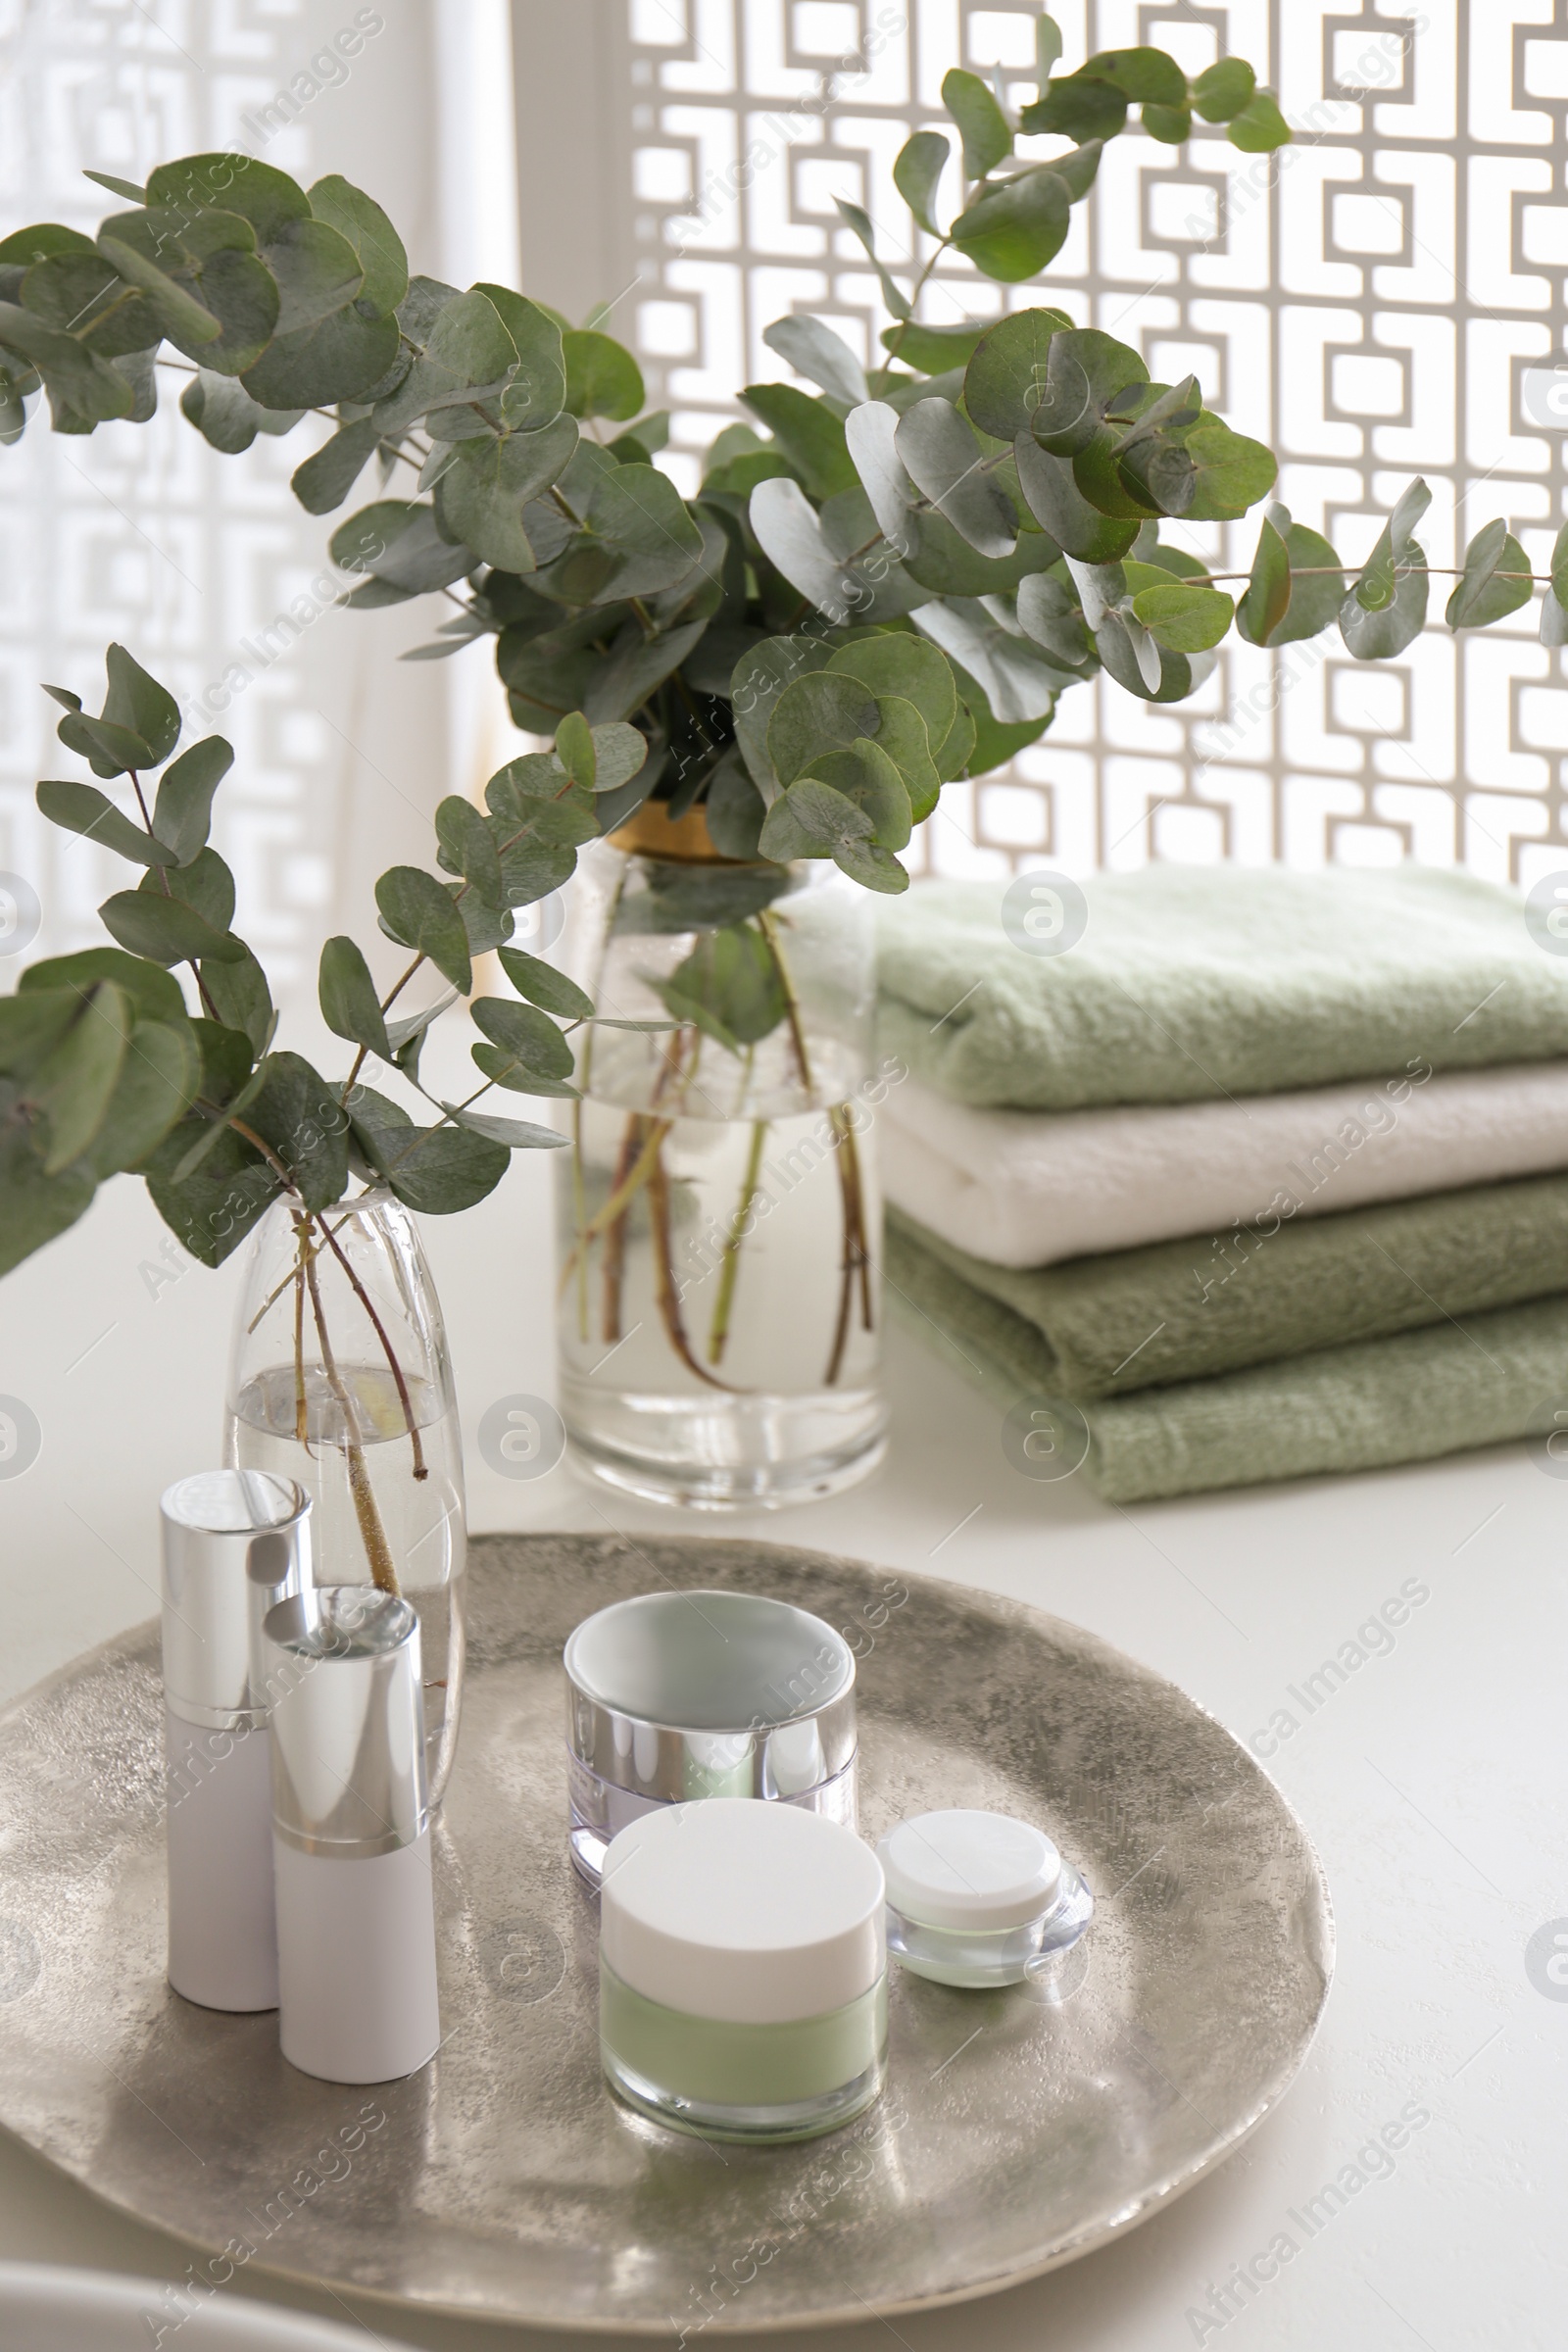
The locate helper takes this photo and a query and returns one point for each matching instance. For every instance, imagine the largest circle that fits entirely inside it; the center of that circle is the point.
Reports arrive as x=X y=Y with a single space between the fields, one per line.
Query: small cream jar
x=979 y=1898
x=743 y=1970
x=672 y=1697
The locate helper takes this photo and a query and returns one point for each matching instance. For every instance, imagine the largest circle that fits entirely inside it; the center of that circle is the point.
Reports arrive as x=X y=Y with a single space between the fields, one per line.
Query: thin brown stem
x=855 y=1263
x=373 y=1533
x=421 y=1468
x=767 y=925
x=302 y=1417
x=579 y=1218
x=666 y=1292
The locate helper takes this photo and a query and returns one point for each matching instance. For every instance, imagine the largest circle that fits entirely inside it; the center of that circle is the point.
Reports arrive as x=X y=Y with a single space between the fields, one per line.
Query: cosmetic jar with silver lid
x=743 y=1970
x=674 y=1697
x=979 y=1898
x=236 y=1543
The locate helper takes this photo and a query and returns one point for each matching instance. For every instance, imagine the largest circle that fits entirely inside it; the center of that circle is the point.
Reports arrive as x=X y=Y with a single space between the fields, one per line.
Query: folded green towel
x=1180 y=1310
x=1191 y=982
x=1361 y=1407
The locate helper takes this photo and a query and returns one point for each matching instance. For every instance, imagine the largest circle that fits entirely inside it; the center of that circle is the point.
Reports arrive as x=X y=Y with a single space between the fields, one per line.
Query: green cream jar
x=743 y=1970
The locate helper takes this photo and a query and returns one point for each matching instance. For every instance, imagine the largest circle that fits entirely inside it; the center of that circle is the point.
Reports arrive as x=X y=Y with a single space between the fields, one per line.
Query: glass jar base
x=777 y=1451
x=800 y=2118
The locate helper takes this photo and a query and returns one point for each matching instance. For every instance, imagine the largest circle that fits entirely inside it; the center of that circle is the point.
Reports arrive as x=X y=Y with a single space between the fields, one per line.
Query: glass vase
x=719 y=1220
x=339 y=1378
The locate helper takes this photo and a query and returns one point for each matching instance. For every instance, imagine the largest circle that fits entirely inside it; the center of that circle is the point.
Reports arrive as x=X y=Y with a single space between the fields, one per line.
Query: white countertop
x=1432 y=1781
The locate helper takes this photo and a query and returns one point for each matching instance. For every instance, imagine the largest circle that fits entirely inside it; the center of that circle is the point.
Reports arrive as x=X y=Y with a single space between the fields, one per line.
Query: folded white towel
x=1025 y=1188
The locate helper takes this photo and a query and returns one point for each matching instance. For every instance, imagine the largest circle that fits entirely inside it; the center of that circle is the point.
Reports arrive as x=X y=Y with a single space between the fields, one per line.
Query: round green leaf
x=377 y=245
x=1014 y=230
x=418 y=913
x=603 y=379
x=1004 y=382
x=1186 y=620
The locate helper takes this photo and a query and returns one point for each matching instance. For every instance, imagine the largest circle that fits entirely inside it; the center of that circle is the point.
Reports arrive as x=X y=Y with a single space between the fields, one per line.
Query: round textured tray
x=1021 y=2128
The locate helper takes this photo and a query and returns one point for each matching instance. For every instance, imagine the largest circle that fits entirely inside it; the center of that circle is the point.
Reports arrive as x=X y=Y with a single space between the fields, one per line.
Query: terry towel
x=1183 y=1311
x=1193 y=983
x=1028 y=1188
x=1364 y=1407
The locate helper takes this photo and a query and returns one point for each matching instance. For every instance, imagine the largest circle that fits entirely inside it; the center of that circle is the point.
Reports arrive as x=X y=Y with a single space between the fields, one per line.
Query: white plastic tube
x=223 y=1933
x=356 y=1948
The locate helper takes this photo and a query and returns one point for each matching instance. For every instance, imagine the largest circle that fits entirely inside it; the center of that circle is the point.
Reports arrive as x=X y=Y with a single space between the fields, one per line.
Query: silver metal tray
x=1021 y=2128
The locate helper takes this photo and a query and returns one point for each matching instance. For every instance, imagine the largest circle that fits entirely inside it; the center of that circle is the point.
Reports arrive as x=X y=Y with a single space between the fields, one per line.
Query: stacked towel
x=1254 y=1173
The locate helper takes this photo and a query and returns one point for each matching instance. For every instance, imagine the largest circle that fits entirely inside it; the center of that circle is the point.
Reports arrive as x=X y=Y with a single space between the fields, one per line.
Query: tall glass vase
x=720 y=1218
x=339 y=1378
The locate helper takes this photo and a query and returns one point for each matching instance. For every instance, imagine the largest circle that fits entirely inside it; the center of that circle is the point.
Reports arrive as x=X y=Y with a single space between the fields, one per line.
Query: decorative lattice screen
x=203 y=564
x=1385 y=297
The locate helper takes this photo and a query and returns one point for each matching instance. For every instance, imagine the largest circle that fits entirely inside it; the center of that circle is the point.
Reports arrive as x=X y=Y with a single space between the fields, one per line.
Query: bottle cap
x=235 y=1544
x=969 y=1870
x=347 y=1721
x=744 y=1911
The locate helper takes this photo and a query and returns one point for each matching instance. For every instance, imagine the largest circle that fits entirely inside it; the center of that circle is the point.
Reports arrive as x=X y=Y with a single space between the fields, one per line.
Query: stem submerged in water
x=729 y=1264
x=856 y=1259
x=377 y=1550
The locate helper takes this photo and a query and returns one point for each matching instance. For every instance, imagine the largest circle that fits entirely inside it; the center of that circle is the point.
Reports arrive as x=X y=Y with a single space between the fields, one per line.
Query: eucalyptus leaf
x=815 y=350
x=298 y=1113
x=437 y=1171
x=325 y=479
x=822 y=711
x=898 y=664
x=916 y=172
x=810 y=433
x=1223 y=89
x=729 y=987
x=74 y=1082
x=1496 y=580
x=1267 y=599
x=1189 y=620
x=375 y=244
x=1058 y=503
x=137 y=701
x=239 y=996
x=855 y=217
x=1258 y=127
x=516 y=1135
x=1004 y=382
x=480 y=497
x=82 y=808
x=734 y=810
x=467 y=846
x=526 y=1031
x=1014 y=230
x=544 y=986
x=183 y=809
x=603 y=379
x=166 y=930
x=333 y=358
x=226 y=415
x=865 y=775
x=941 y=456
x=350 y=1004
x=1019 y=683
x=982 y=126
x=870 y=433
x=418 y=913
x=157 y=1082
x=154 y=993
